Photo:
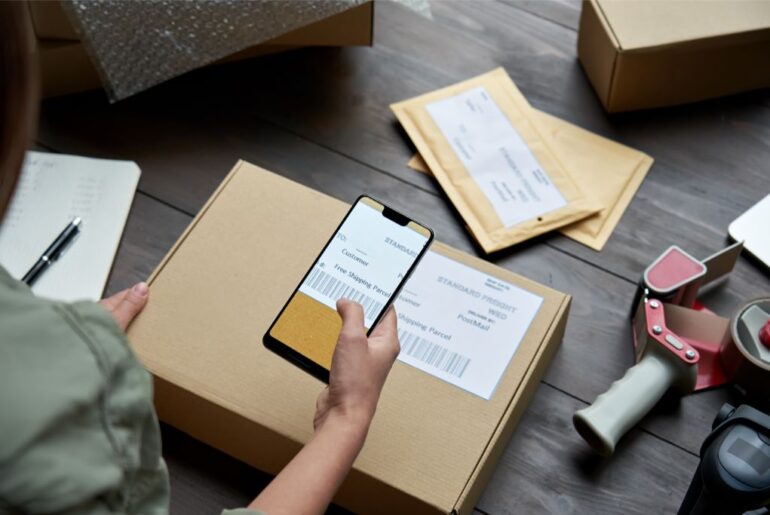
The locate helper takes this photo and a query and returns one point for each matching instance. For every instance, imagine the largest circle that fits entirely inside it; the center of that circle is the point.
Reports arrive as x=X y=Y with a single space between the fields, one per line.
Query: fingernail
x=141 y=289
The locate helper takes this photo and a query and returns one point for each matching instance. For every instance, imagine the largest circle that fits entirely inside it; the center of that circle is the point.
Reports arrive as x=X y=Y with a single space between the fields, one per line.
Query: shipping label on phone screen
x=365 y=262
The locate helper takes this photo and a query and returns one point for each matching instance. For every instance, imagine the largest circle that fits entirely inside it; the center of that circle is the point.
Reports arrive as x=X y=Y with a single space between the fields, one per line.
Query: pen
x=53 y=252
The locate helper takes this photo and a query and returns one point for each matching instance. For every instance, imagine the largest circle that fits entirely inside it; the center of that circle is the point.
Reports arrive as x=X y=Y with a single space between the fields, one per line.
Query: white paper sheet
x=751 y=228
x=52 y=190
x=460 y=324
x=495 y=156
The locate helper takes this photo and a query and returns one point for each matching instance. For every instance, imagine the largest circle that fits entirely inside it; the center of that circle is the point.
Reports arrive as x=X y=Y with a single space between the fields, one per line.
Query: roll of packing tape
x=746 y=357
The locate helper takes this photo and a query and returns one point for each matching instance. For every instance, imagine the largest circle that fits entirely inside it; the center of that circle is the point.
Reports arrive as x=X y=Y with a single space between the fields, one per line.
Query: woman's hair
x=18 y=94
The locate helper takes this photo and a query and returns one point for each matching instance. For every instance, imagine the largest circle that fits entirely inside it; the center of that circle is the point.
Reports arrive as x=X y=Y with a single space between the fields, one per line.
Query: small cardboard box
x=66 y=68
x=432 y=446
x=640 y=54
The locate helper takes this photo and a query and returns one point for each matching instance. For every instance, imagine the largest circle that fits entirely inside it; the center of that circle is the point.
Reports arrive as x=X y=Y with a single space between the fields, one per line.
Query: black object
x=53 y=252
x=734 y=473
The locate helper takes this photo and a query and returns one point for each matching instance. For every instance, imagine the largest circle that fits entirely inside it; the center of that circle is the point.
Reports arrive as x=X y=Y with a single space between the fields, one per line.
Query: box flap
x=642 y=23
x=217 y=291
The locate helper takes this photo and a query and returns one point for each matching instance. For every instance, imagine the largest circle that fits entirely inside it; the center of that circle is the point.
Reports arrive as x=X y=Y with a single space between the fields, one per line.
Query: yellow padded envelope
x=497 y=166
x=607 y=170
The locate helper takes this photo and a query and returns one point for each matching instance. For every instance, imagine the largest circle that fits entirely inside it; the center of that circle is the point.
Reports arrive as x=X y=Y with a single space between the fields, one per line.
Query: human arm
x=344 y=411
x=79 y=430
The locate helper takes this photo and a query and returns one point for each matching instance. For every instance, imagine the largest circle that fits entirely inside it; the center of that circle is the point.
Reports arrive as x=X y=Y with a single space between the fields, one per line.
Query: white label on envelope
x=460 y=324
x=495 y=156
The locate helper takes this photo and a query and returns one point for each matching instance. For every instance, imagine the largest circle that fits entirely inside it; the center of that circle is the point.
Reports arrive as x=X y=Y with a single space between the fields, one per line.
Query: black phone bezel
x=300 y=360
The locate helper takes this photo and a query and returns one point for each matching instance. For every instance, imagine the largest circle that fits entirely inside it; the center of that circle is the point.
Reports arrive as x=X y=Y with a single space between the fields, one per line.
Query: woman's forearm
x=344 y=411
x=307 y=484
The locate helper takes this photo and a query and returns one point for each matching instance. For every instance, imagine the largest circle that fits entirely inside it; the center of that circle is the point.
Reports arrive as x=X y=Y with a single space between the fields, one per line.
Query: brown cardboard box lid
x=644 y=23
x=215 y=294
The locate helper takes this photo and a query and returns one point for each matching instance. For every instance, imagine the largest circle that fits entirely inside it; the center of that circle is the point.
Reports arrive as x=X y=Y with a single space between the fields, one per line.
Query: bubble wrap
x=138 y=44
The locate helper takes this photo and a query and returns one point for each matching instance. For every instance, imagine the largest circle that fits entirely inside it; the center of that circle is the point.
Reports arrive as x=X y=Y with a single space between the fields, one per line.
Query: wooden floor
x=321 y=117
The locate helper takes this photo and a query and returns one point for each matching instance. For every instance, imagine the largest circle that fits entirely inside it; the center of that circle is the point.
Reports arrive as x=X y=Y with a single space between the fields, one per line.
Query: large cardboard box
x=66 y=68
x=50 y=21
x=640 y=54
x=432 y=446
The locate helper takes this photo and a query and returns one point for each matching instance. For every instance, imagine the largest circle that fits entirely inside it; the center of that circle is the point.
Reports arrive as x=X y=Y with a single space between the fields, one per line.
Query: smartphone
x=368 y=259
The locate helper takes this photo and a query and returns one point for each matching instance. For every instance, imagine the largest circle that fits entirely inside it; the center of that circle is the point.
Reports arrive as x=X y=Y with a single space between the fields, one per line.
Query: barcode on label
x=433 y=354
x=336 y=289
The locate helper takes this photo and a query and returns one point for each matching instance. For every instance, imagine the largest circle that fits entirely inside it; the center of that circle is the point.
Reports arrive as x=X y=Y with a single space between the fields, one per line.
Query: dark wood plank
x=320 y=116
x=151 y=229
x=563 y=12
x=598 y=334
x=194 y=489
x=547 y=469
x=343 y=106
x=118 y=132
x=140 y=129
x=206 y=481
x=670 y=207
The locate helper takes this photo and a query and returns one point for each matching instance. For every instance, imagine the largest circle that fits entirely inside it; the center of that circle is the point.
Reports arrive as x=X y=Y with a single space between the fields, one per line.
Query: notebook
x=751 y=228
x=52 y=190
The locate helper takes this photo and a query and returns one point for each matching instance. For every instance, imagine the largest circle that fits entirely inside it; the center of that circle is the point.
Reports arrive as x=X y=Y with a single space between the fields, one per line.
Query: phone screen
x=366 y=261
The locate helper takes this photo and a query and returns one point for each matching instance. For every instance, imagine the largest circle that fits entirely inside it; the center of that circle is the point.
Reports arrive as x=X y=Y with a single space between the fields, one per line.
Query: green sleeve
x=79 y=432
x=242 y=511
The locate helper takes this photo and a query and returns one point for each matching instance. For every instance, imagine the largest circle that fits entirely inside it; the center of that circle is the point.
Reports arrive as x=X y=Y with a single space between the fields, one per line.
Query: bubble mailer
x=138 y=44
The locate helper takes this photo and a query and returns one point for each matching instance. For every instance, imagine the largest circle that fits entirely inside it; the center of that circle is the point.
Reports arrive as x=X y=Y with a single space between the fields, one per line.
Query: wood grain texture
x=598 y=343
x=321 y=117
x=343 y=106
x=563 y=12
x=598 y=330
x=550 y=462
x=204 y=480
x=151 y=230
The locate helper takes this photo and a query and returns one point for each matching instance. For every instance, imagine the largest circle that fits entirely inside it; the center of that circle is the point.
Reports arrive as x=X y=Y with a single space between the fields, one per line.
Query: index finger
x=388 y=324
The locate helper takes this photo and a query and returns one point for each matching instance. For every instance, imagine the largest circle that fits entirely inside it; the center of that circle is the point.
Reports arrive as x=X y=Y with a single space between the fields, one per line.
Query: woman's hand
x=343 y=413
x=125 y=305
x=360 y=366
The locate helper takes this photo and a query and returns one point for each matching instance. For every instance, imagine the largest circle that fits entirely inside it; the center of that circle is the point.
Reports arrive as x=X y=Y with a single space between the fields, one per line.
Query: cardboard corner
x=598 y=51
x=516 y=408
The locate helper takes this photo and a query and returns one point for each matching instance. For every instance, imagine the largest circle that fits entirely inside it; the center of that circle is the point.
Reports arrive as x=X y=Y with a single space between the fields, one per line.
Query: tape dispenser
x=679 y=343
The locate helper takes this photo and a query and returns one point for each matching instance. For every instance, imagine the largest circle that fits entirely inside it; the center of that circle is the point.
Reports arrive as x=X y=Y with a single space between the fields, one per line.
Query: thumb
x=352 y=317
x=131 y=304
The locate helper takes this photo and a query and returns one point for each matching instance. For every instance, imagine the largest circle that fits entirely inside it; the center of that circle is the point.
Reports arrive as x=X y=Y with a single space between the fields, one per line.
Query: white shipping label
x=496 y=156
x=460 y=324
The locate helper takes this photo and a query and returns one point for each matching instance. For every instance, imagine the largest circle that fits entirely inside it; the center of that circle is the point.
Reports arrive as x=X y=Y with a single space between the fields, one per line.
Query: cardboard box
x=432 y=446
x=66 y=68
x=640 y=54
x=50 y=21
